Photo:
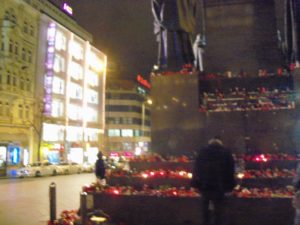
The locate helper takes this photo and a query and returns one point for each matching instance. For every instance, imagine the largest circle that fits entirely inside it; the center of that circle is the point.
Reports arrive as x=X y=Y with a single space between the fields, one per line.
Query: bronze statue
x=174 y=24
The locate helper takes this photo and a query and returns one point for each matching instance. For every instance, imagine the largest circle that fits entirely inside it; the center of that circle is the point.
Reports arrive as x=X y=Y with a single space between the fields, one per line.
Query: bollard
x=52 y=196
x=83 y=208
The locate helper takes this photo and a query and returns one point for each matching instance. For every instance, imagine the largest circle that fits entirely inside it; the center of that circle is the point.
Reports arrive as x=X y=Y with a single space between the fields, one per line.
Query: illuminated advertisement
x=49 y=68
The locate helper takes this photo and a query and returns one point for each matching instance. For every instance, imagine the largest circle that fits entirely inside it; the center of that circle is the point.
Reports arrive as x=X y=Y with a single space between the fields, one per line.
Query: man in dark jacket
x=100 y=168
x=213 y=176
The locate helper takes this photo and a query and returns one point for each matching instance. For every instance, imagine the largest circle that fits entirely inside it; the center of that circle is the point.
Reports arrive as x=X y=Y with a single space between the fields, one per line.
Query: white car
x=69 y=168
x=37 y=169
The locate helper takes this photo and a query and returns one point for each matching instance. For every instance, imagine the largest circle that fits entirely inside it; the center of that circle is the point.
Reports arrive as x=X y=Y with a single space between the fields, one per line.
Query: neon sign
x=67 y=9
x=143 y=82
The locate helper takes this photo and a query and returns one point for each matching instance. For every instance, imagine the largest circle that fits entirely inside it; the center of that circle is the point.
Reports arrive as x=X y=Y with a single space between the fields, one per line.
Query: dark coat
x=100 y=168
x=214 y=170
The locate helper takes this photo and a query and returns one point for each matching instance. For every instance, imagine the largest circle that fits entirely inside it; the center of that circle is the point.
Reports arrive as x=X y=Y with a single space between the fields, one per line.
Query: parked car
x=69 y=168
x=37 y=169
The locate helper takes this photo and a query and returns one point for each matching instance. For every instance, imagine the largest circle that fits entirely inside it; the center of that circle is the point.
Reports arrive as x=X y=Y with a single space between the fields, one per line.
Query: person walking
x=100 y=169
x=213 y=176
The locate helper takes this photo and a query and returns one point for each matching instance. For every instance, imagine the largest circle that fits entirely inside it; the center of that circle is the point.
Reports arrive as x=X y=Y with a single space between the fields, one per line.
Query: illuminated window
x=137 y=133
x=91 y=134
x=74 y=112
x=127 y=133
x=75 y=91
x=59 y=64
x=76 y=71
x=74 y=133
x=53 y=132
x=76 y=50
x=92 y=96
x=95 y=63
x=58 y=85
x=60 y=41
x=92 y=78
x=91 y=115
x=57 y=108
x=114 y=133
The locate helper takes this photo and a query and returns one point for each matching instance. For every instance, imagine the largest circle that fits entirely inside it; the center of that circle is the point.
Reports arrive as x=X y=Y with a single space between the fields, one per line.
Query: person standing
x=213 y=176
x=100 y=169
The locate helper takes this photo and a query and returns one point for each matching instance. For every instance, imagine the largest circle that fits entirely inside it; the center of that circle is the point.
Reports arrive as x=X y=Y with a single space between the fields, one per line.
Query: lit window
x=127 y=133
x=59 y=64
x=53 y=132
x=75 y=91
x=57 y=108
x=91 y=134
x=76 y=50
x=58 y=85
x=60 y=41
x=92 y=96
x=114 y=133
x=76 y=70
x=74 y=112
x=92 y=78
x=91 y=115
x=74 y=133
x=95 y=63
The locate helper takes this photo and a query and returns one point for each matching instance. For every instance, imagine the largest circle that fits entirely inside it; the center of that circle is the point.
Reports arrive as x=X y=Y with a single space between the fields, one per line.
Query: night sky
x=123 y=30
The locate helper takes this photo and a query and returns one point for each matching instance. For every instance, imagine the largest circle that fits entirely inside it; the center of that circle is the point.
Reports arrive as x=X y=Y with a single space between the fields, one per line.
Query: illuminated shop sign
x=49 y=68
x=67 y=9
x=143 y=82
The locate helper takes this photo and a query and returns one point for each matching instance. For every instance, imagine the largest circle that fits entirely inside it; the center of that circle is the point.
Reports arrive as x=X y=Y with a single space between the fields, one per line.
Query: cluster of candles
x=165 y=191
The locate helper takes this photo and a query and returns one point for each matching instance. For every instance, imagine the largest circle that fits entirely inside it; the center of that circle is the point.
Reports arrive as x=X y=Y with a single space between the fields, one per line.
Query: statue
x=198 y=49
x=174 y=24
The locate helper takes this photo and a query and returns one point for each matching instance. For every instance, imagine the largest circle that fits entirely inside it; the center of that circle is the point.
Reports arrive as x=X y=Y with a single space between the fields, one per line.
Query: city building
x=52 y=82
x=128 y=125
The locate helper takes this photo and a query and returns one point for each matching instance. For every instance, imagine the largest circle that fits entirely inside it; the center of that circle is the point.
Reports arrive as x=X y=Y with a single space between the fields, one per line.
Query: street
x=26 y=201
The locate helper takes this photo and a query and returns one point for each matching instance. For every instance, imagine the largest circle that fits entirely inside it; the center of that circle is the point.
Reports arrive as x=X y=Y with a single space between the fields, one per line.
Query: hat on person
x=99 y=155
x=215 y=141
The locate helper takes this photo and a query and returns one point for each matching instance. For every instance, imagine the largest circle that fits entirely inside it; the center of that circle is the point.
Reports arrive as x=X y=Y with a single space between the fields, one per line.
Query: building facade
x=52 y=86
x=128 y=125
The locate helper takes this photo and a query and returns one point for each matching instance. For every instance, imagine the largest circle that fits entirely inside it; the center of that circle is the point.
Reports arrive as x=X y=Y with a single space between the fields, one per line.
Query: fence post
x=52 y=196
x=83 y=208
